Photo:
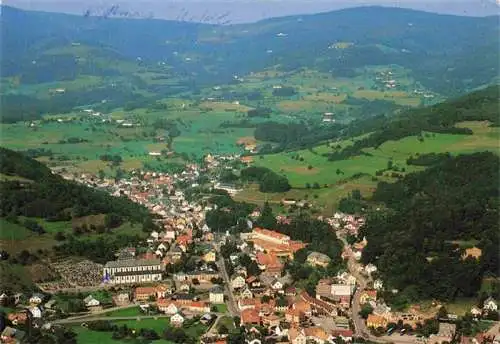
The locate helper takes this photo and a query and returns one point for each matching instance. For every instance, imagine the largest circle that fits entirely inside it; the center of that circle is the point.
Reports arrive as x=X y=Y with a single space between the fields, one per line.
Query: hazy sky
x=251 y=10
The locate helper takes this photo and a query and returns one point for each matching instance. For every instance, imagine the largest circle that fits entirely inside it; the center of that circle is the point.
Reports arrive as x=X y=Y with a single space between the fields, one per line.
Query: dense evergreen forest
x=417 y=241
x=51 y=197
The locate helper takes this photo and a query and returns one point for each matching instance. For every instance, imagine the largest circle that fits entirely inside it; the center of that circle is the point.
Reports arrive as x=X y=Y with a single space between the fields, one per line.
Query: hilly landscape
x=366 y=137
x=134 y=86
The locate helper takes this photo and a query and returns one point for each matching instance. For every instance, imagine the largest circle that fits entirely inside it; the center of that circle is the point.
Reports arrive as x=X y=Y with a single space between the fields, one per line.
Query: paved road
x=82 y=319
x=88 y=319
x=231 y=304
x=87 y=289
x=360 y=328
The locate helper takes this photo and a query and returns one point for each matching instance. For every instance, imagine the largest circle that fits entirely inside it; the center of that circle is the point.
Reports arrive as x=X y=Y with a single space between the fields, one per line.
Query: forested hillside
x=51 y=197
x=481 y=105
x=437 y=48
x=417 y=241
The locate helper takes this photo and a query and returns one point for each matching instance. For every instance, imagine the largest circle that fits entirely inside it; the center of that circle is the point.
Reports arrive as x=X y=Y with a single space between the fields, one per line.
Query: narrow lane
x=360 y=328
x=231 y=303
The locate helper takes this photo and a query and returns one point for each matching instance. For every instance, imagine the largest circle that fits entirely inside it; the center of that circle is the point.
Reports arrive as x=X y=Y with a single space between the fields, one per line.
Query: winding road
x=360 y=328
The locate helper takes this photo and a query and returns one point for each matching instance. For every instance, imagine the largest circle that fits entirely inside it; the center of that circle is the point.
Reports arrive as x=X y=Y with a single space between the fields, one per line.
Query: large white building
x=126 y=271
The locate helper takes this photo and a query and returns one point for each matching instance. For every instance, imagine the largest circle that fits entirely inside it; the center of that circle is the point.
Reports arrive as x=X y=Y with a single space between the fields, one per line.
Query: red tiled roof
x=317 y=303
x=371 y=293
x=250 y=316
x=296 y=245
x=269 y=260
x=196 y=304
x=249 y=302
x=251 y=279
x=343 y=333
x=270 y=233
x=316 y=332
x=165 y=302
x=145 y=291
x=183 y=239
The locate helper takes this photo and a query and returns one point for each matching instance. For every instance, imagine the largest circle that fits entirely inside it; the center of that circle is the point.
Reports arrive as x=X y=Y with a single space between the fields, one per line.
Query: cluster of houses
x=261 y=299
x=270 y=248
x=266 y=300
x=345 y=223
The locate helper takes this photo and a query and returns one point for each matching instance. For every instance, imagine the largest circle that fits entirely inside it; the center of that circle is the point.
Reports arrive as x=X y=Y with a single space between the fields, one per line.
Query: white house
x=238 y=282
x=254 y=341
x=490 y=305
x=378 y=284
x=123 y=298
x=297 y=336
x=36 y=298
x=169 y=309
x=277 y=285
x=169 y=235
x=216 y=295
x=89 y=301
x=246 y=294
x=475 y=311
x=341 y=290
x=35 y=312
x=50 y=304
x=370 y=268
x=347 y=278
x=278 y=331
x=177 y=320
x=233 y=258
x=185 y=286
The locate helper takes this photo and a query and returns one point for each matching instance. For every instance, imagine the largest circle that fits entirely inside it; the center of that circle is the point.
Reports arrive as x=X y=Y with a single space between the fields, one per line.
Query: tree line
x=441 y=118
x=269 y=181
x=53 y=198
x=415 y=240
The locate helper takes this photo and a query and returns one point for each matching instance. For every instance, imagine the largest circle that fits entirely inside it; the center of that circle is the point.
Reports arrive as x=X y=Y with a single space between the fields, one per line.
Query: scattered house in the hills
x=490 y=305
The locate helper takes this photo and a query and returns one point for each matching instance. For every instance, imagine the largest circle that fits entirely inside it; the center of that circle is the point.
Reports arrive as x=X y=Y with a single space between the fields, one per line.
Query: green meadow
x=159 y=325
x=86 y=336
x=313 y=167
x=337 y=178
x=199 y=118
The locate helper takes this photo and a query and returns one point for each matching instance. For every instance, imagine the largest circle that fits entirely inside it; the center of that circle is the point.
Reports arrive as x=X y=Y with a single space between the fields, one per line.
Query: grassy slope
x=324 y=171
x=15 y=238
x=87 y=336
x=11 y=231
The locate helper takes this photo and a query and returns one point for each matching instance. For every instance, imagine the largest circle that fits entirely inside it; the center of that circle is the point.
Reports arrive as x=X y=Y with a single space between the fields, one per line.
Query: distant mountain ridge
x=449 y=54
